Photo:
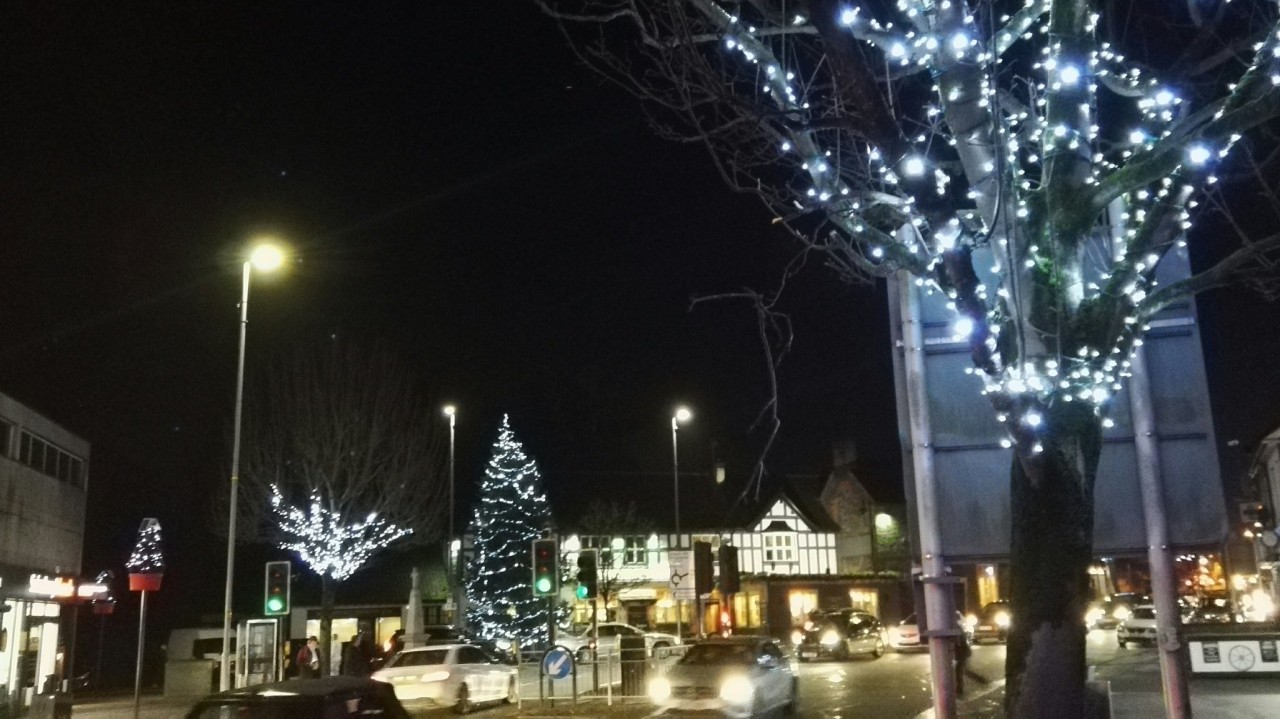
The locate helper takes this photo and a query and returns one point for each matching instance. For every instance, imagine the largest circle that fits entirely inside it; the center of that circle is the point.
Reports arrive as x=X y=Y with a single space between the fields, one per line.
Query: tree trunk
x=326 y=623
x=1052 y=546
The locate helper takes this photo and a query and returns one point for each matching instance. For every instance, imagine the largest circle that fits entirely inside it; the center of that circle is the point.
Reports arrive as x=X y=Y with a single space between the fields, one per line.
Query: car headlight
x=736 y=689
x=659 y=689
x=797 y=637
x=970 y=621
x=1121 y=613
x=895 y=635
x=434 y=676
x=503 y=644
x=830 y=638
x=1002 y=620
x=1092 y=616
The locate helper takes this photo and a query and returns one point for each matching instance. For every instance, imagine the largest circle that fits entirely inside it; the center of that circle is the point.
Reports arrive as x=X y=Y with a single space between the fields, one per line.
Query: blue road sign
x=557 y=662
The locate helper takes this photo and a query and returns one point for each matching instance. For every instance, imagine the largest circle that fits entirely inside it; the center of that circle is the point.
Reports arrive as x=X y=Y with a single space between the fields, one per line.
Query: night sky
x=451 y=180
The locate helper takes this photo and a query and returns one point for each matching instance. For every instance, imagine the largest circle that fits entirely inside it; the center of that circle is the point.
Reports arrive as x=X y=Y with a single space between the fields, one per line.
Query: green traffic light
x=275 y=604
x=582 y=591
x=543 y=585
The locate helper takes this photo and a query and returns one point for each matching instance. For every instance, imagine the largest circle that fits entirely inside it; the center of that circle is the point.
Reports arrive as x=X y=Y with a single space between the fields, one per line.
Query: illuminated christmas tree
x=512 y=512
x=328 y=542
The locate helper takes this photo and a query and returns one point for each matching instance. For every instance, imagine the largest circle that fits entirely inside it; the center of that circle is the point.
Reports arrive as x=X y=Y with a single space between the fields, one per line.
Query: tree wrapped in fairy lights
x=511 y=513
x=1009 y=156
x=342 y=459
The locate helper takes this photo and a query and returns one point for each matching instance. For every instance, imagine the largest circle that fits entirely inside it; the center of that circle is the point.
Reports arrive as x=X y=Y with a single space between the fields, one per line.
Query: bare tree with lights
x=342 y=460
x=1009 y=156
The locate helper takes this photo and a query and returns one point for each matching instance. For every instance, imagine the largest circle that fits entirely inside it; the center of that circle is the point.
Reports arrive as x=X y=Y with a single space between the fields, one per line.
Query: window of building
x=51 y=460
x=780 y=547
x=801 y=602
x=6 y=431
x=634 y=551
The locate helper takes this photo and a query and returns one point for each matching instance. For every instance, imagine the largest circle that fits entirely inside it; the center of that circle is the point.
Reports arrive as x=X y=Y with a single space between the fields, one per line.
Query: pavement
x=1252 y=703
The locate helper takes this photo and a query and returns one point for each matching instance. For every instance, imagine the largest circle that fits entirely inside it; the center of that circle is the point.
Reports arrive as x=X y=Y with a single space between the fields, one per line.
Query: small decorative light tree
x=146 y=569
x=146 y=564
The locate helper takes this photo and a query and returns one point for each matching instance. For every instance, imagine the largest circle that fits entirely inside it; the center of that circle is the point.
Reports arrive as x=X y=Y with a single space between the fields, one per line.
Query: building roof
x=705 y=506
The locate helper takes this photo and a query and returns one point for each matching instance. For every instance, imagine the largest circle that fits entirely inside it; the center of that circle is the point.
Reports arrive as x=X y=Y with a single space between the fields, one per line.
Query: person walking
x=356 y=660
x=308 y=659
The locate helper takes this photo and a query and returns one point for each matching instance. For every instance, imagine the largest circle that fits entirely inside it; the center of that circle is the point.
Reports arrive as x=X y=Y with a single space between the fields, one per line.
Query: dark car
x=993 y=623
x=1109 y=612
x=840 y=635
x=325 y=698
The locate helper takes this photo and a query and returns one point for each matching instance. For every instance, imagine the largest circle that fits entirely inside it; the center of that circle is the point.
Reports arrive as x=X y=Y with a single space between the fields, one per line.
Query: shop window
x=865 y=600
x=801 y=603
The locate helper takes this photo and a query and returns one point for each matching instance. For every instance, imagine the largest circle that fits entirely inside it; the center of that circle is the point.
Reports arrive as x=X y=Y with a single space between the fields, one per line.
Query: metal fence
x=617 y=674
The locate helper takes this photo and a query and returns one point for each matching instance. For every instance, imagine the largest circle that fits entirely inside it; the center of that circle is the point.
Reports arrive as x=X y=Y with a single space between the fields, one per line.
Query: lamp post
x=452 y=413
x=266 y=257
x=682 y=414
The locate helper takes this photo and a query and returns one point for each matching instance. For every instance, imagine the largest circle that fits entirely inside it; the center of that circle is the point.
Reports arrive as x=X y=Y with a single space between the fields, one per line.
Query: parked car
x=840 y=635
x=993 y=622
x=611 y=634
x=905 y=636
x=456 y=675
x=449 y=634
x=1139 y=626
x=1109 y=612
x=324 y=698
x=734 y=677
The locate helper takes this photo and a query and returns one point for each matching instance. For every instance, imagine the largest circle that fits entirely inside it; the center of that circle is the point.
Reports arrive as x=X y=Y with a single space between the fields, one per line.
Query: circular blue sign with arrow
x=557 y=663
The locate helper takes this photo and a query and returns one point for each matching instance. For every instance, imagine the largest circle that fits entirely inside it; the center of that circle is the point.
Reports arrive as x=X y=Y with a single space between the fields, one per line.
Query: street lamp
x=266 y=257
x=682 y=415
x=452 y=413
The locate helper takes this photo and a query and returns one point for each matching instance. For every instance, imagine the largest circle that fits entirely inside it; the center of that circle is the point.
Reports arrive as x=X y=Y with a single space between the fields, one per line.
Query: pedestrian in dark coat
x=359 y=654
x=308 y=659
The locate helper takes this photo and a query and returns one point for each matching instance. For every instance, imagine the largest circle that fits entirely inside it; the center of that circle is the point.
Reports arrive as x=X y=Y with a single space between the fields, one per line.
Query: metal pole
x=70 y=671
x=142 y=635
x=937 y=595
x=1177 y=695
x=675 y=480
x=102 y=638
x=451 y=569
x=224 y=679
x=595 y=638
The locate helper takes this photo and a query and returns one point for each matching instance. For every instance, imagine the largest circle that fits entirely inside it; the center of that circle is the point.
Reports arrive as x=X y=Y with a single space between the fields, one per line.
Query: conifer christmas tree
x=512 y=512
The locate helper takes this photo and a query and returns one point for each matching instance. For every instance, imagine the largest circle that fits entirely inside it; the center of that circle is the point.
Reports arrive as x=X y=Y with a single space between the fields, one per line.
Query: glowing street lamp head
x=450 y=410
x=267 y=257
x=683 y=414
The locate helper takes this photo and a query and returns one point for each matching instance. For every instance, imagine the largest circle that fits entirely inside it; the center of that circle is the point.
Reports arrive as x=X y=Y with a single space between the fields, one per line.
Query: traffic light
x=729 y=579
x=702 y=568
x=587 y=588
x=275 y=601
x=546 y=580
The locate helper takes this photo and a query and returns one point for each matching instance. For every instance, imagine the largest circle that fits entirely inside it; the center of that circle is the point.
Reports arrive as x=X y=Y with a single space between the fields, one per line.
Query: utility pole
x=937 y=592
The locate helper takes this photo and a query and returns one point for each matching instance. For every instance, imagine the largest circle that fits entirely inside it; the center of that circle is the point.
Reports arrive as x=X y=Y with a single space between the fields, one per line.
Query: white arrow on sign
x=681 y=582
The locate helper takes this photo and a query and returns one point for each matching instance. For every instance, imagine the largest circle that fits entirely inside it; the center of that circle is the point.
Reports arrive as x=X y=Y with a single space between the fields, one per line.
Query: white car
x=456 y=675
x=1139 y=626
x=905 y=636
x=734 y=677
x=611 y=634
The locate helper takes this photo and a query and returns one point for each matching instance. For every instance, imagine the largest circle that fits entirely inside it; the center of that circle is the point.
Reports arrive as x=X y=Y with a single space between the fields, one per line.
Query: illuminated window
x=801 y=602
